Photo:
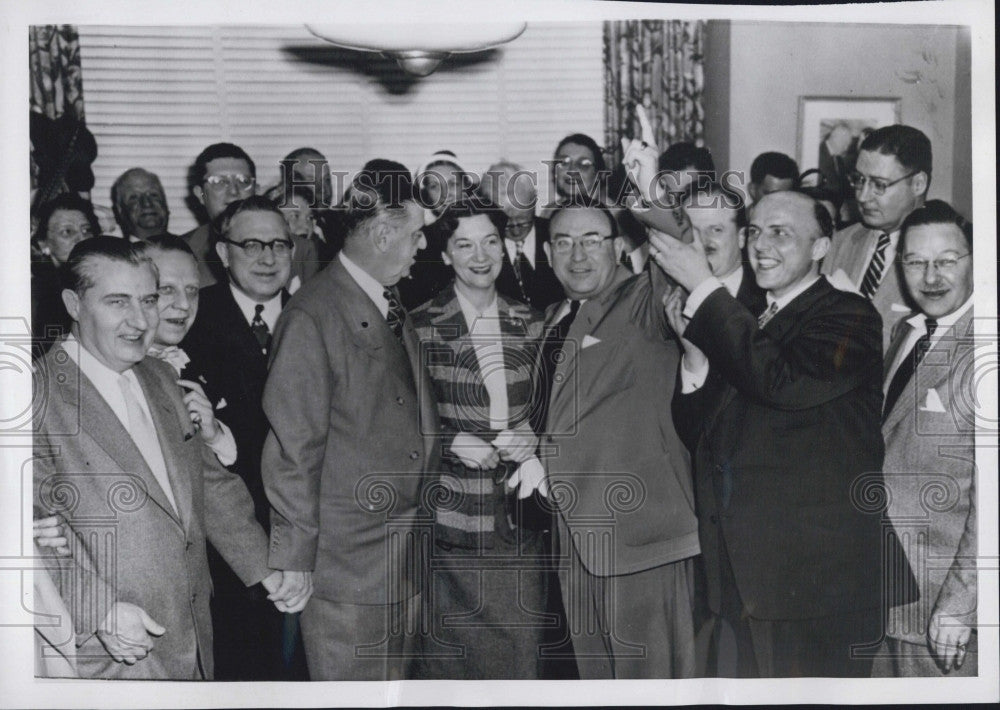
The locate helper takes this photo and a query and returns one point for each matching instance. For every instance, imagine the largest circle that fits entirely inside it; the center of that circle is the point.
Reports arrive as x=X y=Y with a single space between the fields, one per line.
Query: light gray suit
x=851 y=252
x=130 y=544
x=930 y=475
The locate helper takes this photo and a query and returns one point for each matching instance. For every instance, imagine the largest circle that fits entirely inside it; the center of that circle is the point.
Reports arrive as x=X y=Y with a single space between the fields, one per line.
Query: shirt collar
x=368 y=284
x=733 y=280
x=248 y=306
x=919 y=321
x=793 y=294
x=473 y=314
x=527 y=247
x=100 y=375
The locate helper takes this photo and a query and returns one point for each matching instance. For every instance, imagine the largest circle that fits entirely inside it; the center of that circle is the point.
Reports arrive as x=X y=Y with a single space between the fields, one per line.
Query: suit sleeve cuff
x=692 y=380
x=699 y=294
x=224 y=446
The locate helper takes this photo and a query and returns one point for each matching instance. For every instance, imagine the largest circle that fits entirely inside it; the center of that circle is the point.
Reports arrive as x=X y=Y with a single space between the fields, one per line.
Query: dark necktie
x=259 y=329
x=873 y=277
x=552 y=348
x=395 y=315
x=767 y=315
x=904 y=373
x=626 y=261
x=522 y=269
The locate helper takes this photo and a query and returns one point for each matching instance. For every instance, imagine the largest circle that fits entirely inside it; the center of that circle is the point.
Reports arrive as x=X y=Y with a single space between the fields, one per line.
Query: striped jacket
x=471 y=502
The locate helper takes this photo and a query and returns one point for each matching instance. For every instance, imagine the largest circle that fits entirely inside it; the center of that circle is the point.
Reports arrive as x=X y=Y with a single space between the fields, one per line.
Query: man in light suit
x=617 y=471
x=890 y=180
x=525 y=274
x=793 y=556
x=118 y=457
x=928 y=425
x=228 y=344
x=353 y=424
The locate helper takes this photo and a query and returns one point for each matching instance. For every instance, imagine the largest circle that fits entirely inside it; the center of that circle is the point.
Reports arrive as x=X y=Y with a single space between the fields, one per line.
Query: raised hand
x=640 y=157
x=200 y=409
x=685 y=262
x=128 y=633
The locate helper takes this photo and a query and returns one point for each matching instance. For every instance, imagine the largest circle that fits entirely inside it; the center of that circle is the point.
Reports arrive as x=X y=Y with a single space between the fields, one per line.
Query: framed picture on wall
x=832 y=127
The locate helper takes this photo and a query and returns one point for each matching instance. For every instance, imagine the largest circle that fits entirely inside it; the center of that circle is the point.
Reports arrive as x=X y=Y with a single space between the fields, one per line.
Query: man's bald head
x=512 y=188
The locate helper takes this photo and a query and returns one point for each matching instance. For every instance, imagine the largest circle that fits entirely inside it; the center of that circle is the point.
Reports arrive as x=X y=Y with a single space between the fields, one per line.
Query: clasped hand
x=289 y=590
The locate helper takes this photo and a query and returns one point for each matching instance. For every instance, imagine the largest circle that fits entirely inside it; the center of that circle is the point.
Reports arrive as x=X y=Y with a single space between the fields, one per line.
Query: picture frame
x=831 y=128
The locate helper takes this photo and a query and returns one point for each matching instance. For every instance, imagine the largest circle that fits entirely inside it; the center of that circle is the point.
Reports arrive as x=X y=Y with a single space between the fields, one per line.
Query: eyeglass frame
x=919 y=266
x=878 y=188
x=216 y=182
x=522 y=228
x=254 y=248
x=592 y=238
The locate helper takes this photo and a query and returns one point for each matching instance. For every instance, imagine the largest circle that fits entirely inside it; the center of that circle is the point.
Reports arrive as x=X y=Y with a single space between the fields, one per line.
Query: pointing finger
x=648 y=136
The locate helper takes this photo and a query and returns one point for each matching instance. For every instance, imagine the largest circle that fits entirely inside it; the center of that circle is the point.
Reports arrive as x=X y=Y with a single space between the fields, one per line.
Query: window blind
x=156 y=96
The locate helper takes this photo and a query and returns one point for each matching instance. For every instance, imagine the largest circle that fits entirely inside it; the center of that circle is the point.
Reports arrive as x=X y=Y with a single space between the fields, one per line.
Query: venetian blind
x=156 y=96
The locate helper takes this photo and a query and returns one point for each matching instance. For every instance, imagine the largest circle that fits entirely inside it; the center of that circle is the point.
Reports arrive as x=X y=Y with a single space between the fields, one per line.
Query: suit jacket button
x=194 y=598
x=399 y=400
x=414 y=455
x=187 y=544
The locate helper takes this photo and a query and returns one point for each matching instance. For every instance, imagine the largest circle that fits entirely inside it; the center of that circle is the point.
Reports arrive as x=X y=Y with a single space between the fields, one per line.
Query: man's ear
x=741 y=238
x=919 y=183
x=618 y=244
x=222 y=249
x=752 y=189
x=820 y=247
x=380 y=236
x=445 y=258
x=71 y=300
x=199 y=193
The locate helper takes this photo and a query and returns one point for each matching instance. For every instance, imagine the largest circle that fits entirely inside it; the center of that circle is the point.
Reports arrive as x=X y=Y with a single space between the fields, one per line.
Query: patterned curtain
x=56 y=79
x=658 y=63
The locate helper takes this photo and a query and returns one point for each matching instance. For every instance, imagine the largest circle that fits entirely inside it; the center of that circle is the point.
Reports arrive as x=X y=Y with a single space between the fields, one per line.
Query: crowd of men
x=235 y=461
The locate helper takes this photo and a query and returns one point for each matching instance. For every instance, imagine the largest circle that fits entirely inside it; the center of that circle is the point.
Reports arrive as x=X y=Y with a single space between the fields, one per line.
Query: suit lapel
x=102 y=425
x=166 y=418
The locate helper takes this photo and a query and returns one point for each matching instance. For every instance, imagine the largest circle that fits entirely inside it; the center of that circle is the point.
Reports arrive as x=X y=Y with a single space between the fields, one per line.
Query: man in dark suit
x=793 y=549
x=229 y=344
x=890 y=179
x=525 y=274
x=618 y=474
x=146 y=492
x=353 y=435
x=222 y=174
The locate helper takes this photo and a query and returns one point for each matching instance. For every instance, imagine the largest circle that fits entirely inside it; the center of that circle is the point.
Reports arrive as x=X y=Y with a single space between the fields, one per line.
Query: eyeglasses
x=218 y=183
x=84 y=231
x=569 y=163
x=255 y=247
x=589 y=242
x=879 y=185
x=518 y=229
x=945 y=264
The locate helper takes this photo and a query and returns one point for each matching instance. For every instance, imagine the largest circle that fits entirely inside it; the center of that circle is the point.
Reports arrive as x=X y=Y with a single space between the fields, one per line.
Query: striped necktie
x=767 y=315
x=873 y=277
x=395 y=315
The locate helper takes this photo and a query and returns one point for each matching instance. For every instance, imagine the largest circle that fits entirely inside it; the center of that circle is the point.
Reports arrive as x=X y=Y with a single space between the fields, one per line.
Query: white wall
x=155 y=96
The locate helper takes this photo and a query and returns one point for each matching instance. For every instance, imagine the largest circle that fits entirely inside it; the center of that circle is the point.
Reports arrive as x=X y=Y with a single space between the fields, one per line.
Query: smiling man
x=891 y=178
x=784 y=432
x=140 y=204
x=147 y=492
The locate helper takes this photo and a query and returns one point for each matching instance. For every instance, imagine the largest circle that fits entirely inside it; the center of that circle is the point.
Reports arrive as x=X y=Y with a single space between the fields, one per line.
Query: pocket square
x=222 y=403
x=589 y=340
x=899 y=308
x=933 y=402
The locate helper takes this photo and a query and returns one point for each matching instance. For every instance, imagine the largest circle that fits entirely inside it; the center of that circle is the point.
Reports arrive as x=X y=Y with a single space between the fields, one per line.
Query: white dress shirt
x=368 y=284
x=918 y=325
x=527 y=248
x=248 y=306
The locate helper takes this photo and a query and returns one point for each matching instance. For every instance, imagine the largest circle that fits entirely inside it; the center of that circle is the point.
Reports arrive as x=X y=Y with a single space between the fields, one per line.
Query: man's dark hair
x=936 y=212
x=716 y=194
x=588 y=143
x=299 y=152
x=600 y=208
x=214 y=152
x=777 y=165
x=687 y=156
x=78 y=275
x=823 y=218
x=254 y=203
x=445 y=226
x=68 y=201
x=382 y=187
x=907 y=144
x=169 y=242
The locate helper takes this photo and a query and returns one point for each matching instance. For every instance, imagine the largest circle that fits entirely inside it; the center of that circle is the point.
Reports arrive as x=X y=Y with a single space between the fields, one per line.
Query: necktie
x=144 y=435
x=521 y=268
x=259 y=328
x=904 y=373
x=552 y=349
x=767 y=315
x=626 y=261
x=873 y=277
x=396 y=315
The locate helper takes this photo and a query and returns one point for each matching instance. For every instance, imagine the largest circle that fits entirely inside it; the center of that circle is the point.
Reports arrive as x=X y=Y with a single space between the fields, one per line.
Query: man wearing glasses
x=229 y=344
x=890 y=180
x=222 y=174
x=618 y=473
x=526 y=274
